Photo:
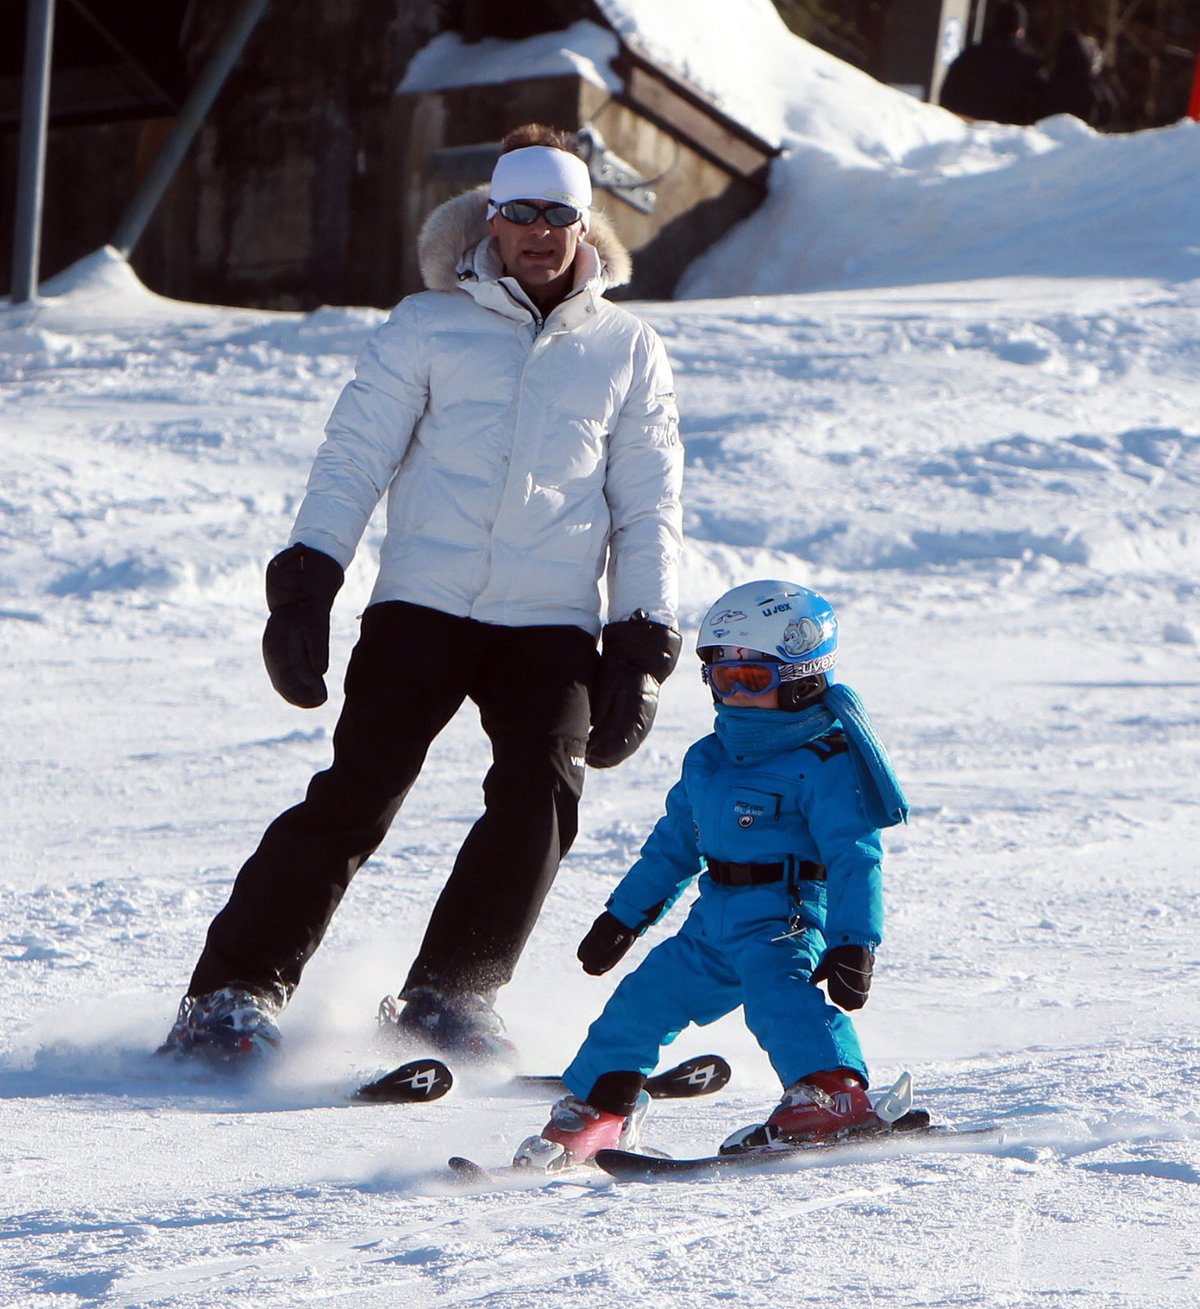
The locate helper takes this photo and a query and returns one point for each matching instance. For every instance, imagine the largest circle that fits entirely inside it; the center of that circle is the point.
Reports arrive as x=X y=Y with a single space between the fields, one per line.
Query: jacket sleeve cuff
x=325 y=543
x=662 y=616
x=835 y=937
x=629 y=915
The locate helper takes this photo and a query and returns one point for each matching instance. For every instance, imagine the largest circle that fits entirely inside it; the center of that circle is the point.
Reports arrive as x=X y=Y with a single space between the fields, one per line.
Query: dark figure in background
x=1000 y=80
x=1076 y=85
x=524 y=432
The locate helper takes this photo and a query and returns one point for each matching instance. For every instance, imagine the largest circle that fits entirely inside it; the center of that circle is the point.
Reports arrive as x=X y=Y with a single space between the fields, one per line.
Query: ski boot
x=576 y=1131
x=454 y=1023
x=226 y=1026
x=818 y=1106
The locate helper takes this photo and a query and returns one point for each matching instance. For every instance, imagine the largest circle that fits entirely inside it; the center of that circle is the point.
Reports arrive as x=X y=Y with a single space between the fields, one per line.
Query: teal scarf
x=752 y=735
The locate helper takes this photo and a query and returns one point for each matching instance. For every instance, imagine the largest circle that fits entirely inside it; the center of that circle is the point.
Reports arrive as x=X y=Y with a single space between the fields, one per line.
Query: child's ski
x=631 y=1166
x=468 y=1172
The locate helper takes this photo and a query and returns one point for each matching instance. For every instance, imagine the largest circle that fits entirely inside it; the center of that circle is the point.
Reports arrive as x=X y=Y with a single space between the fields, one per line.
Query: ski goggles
x=753 y=676
x=524 y=213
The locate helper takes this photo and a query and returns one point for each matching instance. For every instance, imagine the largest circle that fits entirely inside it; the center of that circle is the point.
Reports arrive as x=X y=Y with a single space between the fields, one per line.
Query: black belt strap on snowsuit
x=727 y=873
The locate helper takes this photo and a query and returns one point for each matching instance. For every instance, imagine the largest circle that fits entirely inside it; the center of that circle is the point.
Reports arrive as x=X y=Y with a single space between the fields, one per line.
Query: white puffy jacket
x=519 y=456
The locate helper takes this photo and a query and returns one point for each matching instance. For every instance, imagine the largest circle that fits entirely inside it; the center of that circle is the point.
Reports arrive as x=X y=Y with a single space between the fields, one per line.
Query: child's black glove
x=301 y=585
x=846 y=970
x=605 y=945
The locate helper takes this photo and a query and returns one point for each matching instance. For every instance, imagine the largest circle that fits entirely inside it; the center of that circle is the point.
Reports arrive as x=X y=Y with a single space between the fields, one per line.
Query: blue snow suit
x=768 y=787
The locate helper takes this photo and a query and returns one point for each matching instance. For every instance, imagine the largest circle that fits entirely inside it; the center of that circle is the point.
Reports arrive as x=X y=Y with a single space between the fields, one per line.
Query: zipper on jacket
x=538 y=321
x=497 y=504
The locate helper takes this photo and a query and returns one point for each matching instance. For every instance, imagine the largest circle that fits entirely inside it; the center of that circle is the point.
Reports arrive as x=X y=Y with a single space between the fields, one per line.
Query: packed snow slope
x=996 y=480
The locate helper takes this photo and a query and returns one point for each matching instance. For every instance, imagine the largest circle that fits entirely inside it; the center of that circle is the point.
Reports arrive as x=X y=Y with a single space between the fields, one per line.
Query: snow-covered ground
x=996 y=480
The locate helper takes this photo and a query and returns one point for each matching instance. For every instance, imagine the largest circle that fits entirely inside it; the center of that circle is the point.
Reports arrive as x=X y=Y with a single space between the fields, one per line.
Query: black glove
x=606 y=944
x=846 y=970
x=637 y=656
x=301 y=584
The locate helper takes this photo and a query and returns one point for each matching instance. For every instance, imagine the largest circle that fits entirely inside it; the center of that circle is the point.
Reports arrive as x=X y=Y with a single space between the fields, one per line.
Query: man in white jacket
x=525 y=433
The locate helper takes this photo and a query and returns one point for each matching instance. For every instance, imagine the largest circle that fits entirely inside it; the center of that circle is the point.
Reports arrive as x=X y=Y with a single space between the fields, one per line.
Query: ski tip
x=415 y=1082
x=702 y=1075
x=467 y=1170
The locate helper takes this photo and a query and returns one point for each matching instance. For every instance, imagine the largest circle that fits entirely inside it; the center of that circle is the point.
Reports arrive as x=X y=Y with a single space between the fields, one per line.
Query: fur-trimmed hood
x=456 y=227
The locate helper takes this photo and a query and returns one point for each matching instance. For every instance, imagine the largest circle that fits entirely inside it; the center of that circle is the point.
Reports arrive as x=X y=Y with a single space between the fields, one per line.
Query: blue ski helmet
x=778 y=621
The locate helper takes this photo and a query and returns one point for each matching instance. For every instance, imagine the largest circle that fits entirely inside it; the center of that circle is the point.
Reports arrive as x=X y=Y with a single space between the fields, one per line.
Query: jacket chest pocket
x=749 y=809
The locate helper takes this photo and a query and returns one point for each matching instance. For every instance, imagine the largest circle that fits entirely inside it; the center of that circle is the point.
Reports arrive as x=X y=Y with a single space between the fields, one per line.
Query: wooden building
x=312 y=173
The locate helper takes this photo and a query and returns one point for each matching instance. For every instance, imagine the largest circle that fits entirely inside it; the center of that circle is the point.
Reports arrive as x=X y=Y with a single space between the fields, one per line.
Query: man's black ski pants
x=410 y=671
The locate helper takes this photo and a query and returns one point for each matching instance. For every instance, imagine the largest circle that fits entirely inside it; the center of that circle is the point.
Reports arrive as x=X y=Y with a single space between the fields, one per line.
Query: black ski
x=631 y=1166
x=702 y=1075
x=415 y=1082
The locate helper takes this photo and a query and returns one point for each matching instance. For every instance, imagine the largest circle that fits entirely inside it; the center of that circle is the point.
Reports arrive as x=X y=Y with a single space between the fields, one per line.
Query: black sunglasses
x=523 y=213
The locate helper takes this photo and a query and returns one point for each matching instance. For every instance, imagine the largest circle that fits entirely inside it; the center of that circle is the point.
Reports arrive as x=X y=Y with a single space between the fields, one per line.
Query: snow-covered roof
x=711 y=46
x=584 y=49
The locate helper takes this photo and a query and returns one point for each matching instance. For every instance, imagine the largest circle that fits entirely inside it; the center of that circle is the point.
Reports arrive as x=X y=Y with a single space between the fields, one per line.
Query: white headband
x=541 y=172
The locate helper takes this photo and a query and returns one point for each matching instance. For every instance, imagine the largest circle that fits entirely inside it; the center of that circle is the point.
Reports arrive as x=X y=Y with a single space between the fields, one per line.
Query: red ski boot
x=575 y=1132
x=819 y=1105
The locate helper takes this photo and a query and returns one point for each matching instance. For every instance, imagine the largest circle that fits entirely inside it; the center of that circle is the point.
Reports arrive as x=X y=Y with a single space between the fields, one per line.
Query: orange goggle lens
x=753 y=678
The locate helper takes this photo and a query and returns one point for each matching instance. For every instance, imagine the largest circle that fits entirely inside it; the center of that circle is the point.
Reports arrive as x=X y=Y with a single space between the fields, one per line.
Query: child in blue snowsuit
x=778 y=812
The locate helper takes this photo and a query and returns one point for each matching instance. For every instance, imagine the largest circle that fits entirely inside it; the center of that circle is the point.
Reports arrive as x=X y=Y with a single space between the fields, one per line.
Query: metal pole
x=980 y=23
x=31 y=168
x=187 y=124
